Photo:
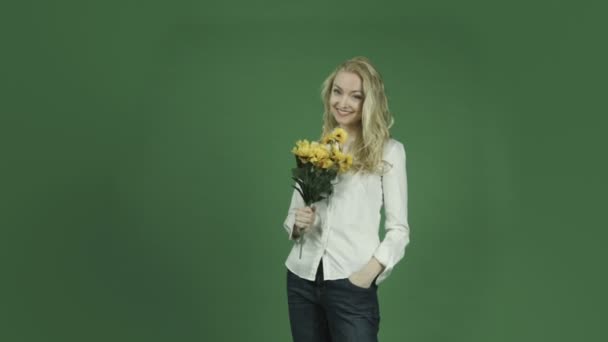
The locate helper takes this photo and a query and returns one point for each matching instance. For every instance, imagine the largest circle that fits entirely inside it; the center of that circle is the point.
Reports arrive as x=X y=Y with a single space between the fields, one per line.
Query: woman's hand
x=305 y=218
x=361 y=279
x=364 y=277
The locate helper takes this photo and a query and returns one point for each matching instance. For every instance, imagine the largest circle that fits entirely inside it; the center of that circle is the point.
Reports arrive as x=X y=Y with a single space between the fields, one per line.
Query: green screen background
x=146 y=157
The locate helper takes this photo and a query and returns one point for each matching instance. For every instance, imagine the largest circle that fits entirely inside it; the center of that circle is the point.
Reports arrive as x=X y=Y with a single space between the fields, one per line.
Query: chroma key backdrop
x=145 y=165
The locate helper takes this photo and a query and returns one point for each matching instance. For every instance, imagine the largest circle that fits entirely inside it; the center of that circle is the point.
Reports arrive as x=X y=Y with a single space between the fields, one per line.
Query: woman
x=332 y=286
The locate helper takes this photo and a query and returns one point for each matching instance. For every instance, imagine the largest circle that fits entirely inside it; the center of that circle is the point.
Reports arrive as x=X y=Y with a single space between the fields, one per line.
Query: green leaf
x=301 y=194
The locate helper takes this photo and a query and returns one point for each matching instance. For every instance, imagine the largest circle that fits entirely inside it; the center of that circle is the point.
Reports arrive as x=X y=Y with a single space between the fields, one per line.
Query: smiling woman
x=332 y=290
x=346 y=99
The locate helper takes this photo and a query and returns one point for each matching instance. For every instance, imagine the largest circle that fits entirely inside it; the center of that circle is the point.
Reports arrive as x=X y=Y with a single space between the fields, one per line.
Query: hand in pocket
x=360 y=280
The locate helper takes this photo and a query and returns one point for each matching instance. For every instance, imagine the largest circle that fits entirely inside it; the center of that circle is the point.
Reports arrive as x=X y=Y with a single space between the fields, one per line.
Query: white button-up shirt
x=344 y=234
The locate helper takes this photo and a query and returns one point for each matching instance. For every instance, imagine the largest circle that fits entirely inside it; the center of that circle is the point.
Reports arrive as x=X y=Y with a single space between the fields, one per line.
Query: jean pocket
x=357 y=287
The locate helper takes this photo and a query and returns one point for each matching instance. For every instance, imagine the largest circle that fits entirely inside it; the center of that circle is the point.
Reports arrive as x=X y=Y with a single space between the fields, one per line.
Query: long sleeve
x=394 y=187
x=297 y=202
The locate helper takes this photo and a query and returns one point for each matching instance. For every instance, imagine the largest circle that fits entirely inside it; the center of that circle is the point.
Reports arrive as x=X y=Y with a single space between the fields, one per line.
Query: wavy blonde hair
x=376 y=119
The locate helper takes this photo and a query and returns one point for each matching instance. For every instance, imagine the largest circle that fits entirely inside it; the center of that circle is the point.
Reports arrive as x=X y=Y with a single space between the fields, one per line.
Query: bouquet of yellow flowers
x=318 y=163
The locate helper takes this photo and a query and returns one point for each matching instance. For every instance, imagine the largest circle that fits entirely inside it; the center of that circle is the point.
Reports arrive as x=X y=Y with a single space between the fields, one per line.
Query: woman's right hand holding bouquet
x=305 y=218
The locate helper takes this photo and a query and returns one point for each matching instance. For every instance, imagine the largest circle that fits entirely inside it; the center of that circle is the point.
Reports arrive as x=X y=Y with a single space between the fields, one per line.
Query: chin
x=340 y=119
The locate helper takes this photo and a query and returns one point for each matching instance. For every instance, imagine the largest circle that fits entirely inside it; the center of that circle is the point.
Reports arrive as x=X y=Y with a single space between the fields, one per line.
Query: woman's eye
x=358 y=97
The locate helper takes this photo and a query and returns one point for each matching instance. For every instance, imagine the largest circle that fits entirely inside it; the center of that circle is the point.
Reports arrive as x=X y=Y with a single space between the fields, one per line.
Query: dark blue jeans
x=332 y=310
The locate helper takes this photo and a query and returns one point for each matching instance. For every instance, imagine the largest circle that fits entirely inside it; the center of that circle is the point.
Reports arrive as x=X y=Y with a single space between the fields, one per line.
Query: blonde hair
x=376 y=119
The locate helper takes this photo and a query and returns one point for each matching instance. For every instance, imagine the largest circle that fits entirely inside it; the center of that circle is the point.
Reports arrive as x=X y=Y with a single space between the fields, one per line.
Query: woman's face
x=346 y=99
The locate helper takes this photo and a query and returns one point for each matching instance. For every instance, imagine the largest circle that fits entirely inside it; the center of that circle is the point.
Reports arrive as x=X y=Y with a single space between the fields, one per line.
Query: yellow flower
x=326 y=163
x=337 y=155
x=319 y=152
x=303 y=144
x=343 y=160
x=302 y=149
x=346 y=163
x=339 y=135
x=325 y=154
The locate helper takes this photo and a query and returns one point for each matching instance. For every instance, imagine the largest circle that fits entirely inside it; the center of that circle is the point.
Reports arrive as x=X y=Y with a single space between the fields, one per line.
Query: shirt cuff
x=382 y=254
x=288 y=225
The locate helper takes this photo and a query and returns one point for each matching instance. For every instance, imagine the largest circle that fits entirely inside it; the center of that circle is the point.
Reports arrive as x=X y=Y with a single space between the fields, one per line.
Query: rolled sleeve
x=290 y=220
x=394 y=188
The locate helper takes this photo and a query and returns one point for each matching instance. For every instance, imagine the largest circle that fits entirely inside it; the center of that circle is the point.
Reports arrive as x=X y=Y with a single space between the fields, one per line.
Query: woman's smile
x=343 y=113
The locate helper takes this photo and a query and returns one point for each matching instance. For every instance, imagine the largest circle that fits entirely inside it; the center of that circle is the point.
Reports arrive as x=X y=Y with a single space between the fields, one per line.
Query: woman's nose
x=342 y=102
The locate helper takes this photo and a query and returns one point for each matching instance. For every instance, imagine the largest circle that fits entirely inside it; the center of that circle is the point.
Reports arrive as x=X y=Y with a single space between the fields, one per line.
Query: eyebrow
x=354 y=91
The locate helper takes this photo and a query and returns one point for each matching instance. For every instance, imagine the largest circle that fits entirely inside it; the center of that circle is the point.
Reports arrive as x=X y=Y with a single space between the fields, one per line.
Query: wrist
x=374 y=267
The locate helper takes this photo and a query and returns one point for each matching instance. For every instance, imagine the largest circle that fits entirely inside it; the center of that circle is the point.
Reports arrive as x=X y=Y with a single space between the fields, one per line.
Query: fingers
x=305 y=210
x=304 y=218
x=303 y=224
x=305 y=213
